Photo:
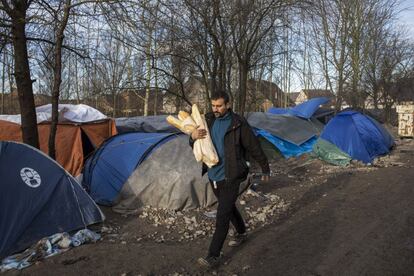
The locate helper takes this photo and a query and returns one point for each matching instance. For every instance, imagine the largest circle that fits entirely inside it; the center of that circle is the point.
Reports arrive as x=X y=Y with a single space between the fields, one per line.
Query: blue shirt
x=219 y=129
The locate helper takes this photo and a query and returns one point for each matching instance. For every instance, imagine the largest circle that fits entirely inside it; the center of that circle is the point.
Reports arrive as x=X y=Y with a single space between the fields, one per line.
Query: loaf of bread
x=203 y=149
x=208 y=152
x=175 y=122
x=182 y=115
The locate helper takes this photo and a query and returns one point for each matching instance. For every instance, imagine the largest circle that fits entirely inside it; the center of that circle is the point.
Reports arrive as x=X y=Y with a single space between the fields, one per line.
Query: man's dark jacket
x=238 y=139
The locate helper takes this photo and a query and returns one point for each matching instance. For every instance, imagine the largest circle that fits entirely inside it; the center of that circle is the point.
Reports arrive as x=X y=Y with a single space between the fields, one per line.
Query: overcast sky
x=407 y=16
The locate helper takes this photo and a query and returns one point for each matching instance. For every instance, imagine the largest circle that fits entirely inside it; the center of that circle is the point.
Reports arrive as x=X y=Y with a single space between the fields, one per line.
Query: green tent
x=330 y=153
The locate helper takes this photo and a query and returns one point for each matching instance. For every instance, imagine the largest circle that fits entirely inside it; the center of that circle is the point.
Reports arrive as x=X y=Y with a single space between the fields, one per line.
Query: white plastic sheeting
x=80 y=113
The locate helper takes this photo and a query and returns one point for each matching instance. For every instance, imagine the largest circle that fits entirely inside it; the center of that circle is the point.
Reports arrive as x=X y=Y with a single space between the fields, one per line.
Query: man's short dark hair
x=220 y=95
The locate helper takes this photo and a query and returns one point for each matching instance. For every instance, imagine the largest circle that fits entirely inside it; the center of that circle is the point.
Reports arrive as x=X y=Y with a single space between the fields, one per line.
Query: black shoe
x=209 y=262
x=238 y=239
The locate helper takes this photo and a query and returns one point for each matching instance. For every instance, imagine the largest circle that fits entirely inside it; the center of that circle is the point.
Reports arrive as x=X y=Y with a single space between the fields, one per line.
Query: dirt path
x=327 y=221
x=351 y=225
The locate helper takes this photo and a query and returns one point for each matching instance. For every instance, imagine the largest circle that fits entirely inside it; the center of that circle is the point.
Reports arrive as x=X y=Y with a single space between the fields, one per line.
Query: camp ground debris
x=164 y=223
x=80 y=130
x=38 y=198
x=48 y=247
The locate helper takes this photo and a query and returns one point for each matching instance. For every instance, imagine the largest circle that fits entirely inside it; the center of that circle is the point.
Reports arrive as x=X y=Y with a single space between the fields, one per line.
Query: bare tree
x=16 y=11
x=60 y=13
x=331 y=29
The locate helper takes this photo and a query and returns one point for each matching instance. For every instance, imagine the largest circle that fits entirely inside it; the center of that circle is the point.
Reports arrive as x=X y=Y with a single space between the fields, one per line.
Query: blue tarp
x=304 y=110
x=286 y=148
x=38 y=198
x=109 y=168
x=358 y=135
x=278 y=110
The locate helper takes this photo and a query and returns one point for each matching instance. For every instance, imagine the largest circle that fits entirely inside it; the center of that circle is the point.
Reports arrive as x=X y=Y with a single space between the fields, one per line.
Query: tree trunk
x=148 y=78
x=3 y=81
x=57 y=79
x=243 y=71
x=23 y=81
x=156 y=93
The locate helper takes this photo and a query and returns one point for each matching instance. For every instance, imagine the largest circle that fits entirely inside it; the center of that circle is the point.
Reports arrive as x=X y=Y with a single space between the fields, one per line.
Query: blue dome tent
x=358 y=135
x=109 y=168
x=38 y=198
x=136 y=169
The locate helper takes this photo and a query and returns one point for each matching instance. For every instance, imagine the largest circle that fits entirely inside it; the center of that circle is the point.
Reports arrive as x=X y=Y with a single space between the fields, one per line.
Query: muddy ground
x=310 y=219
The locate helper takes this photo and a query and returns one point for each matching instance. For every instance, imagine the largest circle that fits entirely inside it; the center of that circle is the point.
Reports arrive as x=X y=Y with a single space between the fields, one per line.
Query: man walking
x=233 y=138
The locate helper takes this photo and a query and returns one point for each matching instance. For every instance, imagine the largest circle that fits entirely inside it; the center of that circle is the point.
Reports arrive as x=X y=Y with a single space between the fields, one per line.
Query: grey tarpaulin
x=286 y=127
x=169 y=178
x=144 y=124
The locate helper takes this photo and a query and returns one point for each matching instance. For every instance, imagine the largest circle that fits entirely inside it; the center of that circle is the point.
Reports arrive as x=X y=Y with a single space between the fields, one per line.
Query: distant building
x=11 y=101
x=195 y=92
x=262 y=94
x=400 y=92
x=293 y=96
x=127 y=103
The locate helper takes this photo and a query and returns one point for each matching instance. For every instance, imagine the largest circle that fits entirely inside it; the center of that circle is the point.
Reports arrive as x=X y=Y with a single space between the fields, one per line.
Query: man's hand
x=199 y=134
x=265 y=178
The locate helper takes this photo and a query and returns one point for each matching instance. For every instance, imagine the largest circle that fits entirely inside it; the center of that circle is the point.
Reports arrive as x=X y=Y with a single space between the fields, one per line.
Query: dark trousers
x=226 y=194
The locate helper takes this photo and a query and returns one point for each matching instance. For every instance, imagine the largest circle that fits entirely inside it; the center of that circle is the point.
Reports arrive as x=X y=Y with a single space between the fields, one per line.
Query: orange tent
x=74 y=141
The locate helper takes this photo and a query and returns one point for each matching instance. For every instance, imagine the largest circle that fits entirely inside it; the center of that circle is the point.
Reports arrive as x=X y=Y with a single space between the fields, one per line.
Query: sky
x=406 y=16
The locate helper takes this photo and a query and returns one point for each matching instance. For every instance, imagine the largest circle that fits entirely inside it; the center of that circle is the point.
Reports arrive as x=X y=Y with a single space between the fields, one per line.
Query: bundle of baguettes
x=203 y=149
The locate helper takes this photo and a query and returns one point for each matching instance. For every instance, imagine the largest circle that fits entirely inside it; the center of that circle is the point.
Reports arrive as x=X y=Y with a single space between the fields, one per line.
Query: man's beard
x=219 y=115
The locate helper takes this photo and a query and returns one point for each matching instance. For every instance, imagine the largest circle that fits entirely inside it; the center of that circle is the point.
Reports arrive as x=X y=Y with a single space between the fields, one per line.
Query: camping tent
x=304 y=110
x=292 y=136
x=157 y=123
x=156 y=169
x=330 y=153
x=358 y=135
x=109 y=168
x=286 y=148
x=38 y=198
x=289 y=128
x=79 y=132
